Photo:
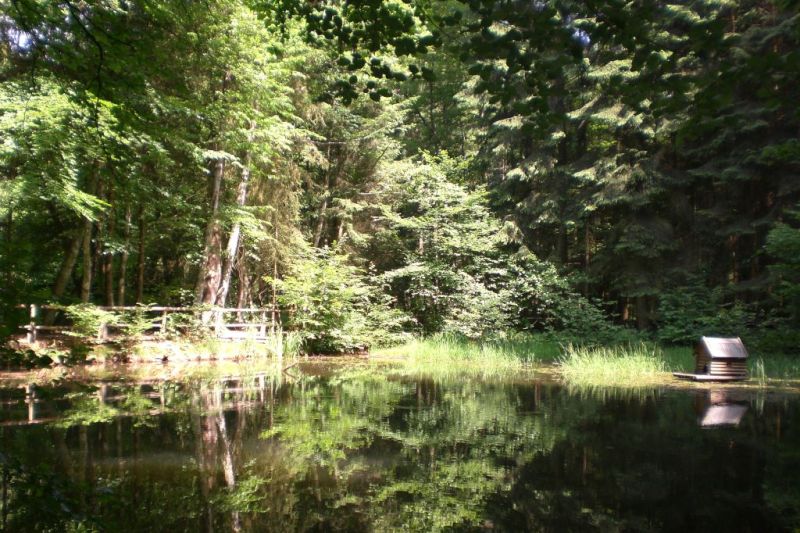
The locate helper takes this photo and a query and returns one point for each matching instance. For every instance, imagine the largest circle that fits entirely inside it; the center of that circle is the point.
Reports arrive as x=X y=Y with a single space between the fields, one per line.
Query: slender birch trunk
x=123 y=263
x=140 y=258
x=233 y=241
x=243 y=298
x=108 y=255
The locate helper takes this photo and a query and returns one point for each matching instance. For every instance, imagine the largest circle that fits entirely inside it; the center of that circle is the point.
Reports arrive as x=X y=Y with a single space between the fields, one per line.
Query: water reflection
x=359 y=450
x=720 y=409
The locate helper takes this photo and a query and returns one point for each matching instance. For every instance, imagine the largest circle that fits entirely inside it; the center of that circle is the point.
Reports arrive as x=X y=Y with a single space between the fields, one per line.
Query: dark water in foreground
x=355 y=451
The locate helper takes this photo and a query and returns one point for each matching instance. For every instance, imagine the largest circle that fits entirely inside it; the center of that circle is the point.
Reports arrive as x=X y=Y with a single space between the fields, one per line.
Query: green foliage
x=136 y=323
x=282 y=344
x=783 y=244
x=88 y=320
x=625 y=157
x=692 y=311
x=449 y=278
x=85 y=410
x=16 y=358
x=333 y=307
x=545 y=300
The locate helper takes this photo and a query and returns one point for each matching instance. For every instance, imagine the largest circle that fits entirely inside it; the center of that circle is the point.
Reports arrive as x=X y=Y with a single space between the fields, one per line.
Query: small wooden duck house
x=718 y=359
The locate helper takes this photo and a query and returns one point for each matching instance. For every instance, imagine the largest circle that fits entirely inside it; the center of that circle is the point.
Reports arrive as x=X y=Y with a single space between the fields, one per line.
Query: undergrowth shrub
x=333 y=306
x=686 y=313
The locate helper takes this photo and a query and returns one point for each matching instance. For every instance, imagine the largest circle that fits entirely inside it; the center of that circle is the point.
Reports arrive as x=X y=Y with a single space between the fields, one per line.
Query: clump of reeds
x=628 y=366
x=453 y=354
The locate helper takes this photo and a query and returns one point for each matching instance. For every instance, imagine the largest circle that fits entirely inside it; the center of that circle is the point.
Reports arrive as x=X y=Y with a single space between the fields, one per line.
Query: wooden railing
x=211 y=317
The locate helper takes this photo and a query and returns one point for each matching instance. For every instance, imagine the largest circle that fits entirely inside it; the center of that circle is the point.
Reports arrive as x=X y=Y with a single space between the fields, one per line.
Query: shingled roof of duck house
x=724 y=358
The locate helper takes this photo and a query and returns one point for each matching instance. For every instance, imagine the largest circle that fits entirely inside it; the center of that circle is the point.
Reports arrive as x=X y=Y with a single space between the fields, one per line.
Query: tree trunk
x=642 y=313
x=243 y=297
x=9 y=239
x=86 y=252
x=562 y=250
x=275 y=316
x=323 y=206
x=70 y=258
x=233 y=241
x=108 y=255
x=587 y=257
x=140 y=258
x=123 y=263
x=211 y=270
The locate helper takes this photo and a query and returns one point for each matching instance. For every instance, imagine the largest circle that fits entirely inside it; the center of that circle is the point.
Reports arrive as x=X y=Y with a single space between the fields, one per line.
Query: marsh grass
x=637 y=365
x=774 y=367
x=443 y=355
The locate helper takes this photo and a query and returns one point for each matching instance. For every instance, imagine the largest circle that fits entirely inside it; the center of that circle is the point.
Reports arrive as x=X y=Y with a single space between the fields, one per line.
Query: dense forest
x=604 y=170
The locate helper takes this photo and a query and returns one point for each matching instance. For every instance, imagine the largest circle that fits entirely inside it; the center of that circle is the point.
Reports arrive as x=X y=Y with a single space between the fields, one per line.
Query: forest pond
x=349 y=448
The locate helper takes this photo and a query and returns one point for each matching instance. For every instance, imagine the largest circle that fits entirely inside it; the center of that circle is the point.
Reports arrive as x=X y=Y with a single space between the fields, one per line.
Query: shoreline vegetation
x=629 y=365
x=625 y=365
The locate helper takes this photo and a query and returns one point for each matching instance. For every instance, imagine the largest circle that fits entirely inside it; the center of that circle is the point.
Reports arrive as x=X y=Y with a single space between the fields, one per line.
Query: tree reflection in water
x=363 y=450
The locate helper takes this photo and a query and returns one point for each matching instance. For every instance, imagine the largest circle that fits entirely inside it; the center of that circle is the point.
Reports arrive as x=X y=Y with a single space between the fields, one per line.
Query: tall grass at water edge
x=635 y=365
x=453 y=354
x=627 y=365
x=647 y=364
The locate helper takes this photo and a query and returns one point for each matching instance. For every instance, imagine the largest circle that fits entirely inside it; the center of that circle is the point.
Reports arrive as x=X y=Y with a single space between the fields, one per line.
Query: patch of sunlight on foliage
x=86 y=410
x=247 y=495
x=282 y=344
x=622 y=366
x=444 y=355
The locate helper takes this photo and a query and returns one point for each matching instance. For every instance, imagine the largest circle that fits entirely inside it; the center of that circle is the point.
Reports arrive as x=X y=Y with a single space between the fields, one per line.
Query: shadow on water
x=348 y=448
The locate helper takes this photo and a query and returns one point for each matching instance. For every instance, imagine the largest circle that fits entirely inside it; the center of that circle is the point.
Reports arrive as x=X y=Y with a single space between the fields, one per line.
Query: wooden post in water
x=34 y=311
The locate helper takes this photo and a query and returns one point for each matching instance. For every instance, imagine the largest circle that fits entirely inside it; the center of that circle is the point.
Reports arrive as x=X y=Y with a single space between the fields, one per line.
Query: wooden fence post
x=30 y=399
x=102 y=333
x=218 y=322
x=164 y=322
x=32 y=325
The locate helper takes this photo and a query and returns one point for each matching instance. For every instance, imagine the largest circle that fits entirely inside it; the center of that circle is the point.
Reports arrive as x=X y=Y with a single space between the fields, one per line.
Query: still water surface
x=358 y=450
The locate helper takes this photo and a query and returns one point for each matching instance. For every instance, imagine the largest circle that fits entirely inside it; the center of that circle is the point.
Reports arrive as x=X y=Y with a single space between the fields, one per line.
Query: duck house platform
x=718 y=359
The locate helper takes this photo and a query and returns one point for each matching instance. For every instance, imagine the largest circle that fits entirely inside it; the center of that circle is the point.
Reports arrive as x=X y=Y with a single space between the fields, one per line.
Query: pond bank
x=523 y=357
x=633 y=365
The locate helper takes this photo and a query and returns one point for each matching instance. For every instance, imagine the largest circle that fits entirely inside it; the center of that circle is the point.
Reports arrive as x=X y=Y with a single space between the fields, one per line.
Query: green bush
x=544 y=300
x=88 y=320
x=333 y=307
x=136 y=323
x=783 y=244
x=687 y=313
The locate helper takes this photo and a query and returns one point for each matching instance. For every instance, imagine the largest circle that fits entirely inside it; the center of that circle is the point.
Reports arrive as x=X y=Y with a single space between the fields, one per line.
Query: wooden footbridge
x=246 y=323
